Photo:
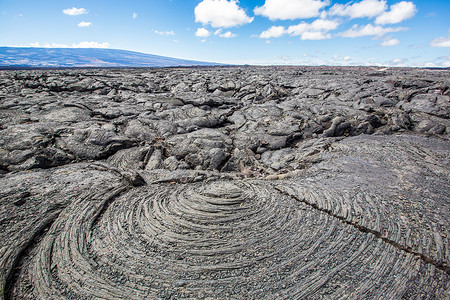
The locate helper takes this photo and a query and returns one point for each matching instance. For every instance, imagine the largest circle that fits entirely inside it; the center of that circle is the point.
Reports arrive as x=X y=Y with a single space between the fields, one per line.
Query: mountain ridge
x=23 y=57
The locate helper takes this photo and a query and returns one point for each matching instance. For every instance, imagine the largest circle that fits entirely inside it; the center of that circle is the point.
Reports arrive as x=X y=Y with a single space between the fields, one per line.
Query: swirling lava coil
x=216 y=240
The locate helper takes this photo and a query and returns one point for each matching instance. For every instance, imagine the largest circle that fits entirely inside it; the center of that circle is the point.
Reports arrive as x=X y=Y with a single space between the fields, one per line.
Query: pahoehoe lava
x=224 y=183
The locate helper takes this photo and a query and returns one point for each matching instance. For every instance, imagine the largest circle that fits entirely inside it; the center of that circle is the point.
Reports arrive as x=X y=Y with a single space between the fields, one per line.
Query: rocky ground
x=225 y=183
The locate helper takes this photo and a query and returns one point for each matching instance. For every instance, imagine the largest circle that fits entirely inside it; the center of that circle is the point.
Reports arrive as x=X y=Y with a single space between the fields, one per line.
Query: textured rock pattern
x=225 y=183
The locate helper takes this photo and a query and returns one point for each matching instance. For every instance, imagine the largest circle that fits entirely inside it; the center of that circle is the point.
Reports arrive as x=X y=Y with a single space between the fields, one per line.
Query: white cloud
x=164 y=32
x=347 y=58
x=49 y=45
x=228 y=35
x=441 y=42
x=84 y=24
x=397 y=61
x=317 y=30
x=324 y=25
x=444 y=64
x=221 y=13
x=390 y=42
x=202 y=32
x=315 y=35
x=363 y=9
x=316 y=26
x=290 y=9
x=90 y=45
x=335 y=56
x=370 y=30
x=75 y=11
x=398 y=12
x=135 y=15
x=75 y=45
x=298 y=29
x=273 y=32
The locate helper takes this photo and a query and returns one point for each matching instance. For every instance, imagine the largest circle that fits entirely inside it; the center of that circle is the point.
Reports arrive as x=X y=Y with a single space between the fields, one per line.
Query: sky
x=257 y=32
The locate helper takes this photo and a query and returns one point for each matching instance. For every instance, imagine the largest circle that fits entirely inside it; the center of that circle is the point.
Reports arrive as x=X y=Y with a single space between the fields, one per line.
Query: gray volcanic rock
x=242 y=182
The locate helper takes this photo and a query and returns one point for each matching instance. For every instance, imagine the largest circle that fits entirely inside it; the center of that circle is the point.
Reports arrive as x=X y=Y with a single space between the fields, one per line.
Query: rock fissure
x=442 y=266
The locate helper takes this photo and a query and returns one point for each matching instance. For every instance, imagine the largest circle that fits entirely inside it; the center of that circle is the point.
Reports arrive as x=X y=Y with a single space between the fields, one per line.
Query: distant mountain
x=87 y=57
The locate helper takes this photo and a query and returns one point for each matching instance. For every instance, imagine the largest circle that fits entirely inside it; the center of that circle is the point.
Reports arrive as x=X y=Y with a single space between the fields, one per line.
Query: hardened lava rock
x=224 y=183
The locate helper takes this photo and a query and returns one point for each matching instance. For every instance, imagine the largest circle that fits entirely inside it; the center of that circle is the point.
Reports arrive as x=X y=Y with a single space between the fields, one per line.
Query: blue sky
x=281 y=32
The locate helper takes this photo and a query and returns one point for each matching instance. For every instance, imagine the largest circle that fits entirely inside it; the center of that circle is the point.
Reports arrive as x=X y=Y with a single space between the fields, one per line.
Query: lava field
x=225 y=183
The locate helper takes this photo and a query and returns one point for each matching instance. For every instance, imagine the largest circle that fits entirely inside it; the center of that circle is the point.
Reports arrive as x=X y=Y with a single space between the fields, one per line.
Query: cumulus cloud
x=135 y=15
x=399 y=62
x=75 y=45
x=298 y=29
x=75 y=11
x=49 y=45
x=221 y=13
x=429 y=65
x=290 y=9
x=370 y=30
x=164 y=32
x=315 y=35
x=90 y=45
x=228 y=35
x=441 y=42
x=316 y=26
x=202 y=32
x=390 y=42
x=273 y=32
x=327 y=25
x=317 y=30
x=398 y=12
x=84 y=24
x=363 y=9
x=347 y=58
x=444 y=64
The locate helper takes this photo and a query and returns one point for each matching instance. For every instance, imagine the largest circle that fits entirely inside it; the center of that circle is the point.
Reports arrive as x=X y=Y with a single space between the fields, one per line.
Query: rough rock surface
x=225 y=183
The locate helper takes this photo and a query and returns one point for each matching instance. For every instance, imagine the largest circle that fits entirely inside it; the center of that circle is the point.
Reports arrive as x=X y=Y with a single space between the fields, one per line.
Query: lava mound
x=186 y=241
x=218 y=239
